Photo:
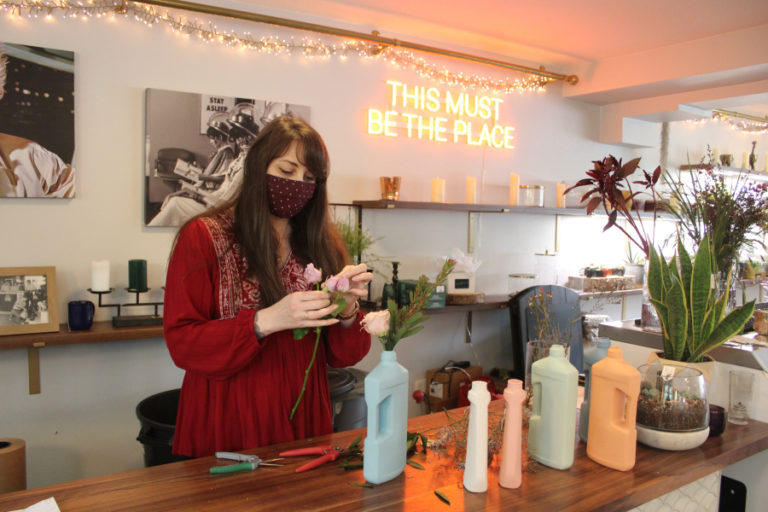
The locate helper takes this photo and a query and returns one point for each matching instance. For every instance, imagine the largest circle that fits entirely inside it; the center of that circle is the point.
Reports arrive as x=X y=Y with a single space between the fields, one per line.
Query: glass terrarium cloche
x=672 y=409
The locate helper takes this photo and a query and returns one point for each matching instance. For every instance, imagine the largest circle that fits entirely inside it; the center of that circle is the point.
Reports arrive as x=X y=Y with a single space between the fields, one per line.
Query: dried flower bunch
x=734 y=212
x=609 y=180
x=393 y=324
x=451 y=440
x=548 y=329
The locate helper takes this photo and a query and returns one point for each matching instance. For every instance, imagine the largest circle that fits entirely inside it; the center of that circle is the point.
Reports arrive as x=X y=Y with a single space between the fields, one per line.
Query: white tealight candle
x=471 y=190
x=514 y=186
x=100 y=276
x=560 y=191
x=438 y=190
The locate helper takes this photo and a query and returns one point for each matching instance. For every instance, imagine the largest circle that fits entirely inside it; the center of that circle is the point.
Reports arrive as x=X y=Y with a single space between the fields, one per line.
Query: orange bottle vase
x=615 y=386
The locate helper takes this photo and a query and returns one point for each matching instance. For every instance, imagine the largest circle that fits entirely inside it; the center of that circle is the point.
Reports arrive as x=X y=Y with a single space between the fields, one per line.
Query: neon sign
x=441 y=116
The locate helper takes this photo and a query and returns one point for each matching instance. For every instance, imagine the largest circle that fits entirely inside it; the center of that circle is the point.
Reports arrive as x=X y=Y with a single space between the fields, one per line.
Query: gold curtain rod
x=731 y=113
x=374 y=37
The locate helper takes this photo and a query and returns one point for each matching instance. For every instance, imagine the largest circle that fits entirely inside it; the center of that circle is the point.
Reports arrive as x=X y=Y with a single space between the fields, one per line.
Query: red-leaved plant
x=609 y=180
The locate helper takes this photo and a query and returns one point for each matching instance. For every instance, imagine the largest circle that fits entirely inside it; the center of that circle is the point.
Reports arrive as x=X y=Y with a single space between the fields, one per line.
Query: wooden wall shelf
x=100 y=332
x=732 y=172
x=383 y=204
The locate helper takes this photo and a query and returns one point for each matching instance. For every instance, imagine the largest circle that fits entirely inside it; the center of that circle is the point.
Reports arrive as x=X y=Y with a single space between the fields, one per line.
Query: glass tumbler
x=740 y=396
x=390 y=187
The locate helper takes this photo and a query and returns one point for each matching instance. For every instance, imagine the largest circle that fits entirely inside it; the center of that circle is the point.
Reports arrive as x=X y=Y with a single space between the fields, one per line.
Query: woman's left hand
x=359 y=277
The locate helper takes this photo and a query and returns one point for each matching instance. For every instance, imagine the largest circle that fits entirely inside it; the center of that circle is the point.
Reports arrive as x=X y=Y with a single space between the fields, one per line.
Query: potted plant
x=672 y=408
x=691 y=311
x=634 y=266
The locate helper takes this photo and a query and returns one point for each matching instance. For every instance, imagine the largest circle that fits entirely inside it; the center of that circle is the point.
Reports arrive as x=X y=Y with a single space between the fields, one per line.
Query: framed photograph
x=195 y=147
x=37 y=122
x=28 y=300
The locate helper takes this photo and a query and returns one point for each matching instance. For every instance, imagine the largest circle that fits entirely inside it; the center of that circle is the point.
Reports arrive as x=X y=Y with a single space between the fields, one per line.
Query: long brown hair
x=314 y=239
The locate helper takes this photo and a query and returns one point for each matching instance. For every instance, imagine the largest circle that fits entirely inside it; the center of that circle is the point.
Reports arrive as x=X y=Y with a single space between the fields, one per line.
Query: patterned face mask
x=287 y=197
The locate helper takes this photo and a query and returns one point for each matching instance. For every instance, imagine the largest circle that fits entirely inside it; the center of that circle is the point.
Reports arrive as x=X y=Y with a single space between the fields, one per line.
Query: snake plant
x=693 y=317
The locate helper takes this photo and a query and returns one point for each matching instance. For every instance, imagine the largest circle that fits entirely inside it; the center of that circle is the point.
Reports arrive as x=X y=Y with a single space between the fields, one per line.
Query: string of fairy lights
x=744 y=125
x=307 y=47
x=735 y=123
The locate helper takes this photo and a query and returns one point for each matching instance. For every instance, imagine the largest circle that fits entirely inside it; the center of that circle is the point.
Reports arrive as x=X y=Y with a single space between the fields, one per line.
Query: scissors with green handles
x=247 y=462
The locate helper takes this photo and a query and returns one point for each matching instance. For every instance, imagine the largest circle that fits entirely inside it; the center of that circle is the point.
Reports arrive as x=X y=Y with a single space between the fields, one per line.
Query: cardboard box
x=443 y=385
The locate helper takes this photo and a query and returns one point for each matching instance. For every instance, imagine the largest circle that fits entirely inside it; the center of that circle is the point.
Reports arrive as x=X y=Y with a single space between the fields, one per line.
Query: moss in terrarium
x=683 y=414
x=651 y=393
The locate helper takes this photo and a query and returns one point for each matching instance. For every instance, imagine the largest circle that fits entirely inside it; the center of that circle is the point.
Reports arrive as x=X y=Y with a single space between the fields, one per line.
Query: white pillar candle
x=745 y=160
x=715 y=157
x=471 y=190
x=560 y=191
x=100 y=276
x=514 y=186
x=438 y=190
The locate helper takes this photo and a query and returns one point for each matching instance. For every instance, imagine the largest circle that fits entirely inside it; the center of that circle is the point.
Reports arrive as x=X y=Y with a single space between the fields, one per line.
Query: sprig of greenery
x=357 y=242
x=406 y=321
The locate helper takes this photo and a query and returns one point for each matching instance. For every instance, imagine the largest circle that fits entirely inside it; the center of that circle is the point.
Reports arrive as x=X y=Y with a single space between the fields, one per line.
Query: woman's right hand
x=297 y=309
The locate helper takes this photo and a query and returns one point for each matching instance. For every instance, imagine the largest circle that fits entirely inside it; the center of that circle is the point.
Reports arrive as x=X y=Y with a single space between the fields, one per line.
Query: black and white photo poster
x=195 y=147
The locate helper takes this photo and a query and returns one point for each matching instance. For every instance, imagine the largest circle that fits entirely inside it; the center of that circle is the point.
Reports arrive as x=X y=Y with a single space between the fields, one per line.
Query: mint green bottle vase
x=386 y=396
x=552 y=425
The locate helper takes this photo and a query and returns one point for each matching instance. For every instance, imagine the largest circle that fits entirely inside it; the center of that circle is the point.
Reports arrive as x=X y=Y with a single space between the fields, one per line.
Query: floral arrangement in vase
x=733 y=211
x=386 y=386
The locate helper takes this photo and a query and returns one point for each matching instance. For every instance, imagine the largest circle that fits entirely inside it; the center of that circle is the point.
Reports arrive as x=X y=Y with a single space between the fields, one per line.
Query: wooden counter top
x=586 y=486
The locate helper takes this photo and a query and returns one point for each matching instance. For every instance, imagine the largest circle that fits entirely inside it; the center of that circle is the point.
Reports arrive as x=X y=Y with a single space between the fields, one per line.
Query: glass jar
x=672 y=398
x=531 y=195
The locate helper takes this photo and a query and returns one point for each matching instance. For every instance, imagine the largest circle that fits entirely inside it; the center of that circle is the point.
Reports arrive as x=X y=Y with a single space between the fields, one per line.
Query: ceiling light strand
x=361 y=45
x=739 y=121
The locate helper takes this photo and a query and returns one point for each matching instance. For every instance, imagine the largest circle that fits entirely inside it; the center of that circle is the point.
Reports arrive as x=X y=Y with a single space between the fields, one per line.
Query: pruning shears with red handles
x=327 y=454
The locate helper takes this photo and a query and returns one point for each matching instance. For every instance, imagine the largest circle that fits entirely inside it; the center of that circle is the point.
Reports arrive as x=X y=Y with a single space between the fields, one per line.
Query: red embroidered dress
x=238 y=390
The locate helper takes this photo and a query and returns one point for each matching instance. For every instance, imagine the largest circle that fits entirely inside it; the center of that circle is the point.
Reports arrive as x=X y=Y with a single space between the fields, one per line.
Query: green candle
x=137 y=275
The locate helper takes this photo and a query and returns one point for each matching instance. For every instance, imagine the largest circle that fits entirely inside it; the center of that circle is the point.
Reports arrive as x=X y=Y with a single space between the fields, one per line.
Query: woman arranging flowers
x=240 y=280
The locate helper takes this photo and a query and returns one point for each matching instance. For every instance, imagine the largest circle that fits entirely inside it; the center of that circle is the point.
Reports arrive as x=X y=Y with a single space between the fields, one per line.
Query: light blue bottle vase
x=590 y=357
x=386 y=395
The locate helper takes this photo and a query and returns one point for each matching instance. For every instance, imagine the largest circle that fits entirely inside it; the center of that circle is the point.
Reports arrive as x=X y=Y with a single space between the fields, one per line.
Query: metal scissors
x=250 y=462
x=327 y=453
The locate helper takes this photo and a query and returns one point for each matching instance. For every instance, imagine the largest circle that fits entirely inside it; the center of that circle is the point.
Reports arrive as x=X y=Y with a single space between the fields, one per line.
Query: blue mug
x=80 y=314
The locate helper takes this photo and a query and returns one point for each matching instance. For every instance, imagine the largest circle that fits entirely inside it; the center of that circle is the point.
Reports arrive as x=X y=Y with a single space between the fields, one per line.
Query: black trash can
x=157 y=415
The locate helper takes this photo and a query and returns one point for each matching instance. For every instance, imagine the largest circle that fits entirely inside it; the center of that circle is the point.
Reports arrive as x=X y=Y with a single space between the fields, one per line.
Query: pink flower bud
x=312 y=275
x=376 y=322
x=337 y=284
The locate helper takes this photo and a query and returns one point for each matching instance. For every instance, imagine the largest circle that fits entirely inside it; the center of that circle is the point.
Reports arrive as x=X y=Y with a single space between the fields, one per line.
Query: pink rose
x=337 y=284
x=312 y=275
x=376 y=322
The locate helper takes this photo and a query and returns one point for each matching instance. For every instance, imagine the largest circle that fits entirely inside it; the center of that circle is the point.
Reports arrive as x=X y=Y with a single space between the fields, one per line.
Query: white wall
x=83 y=422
